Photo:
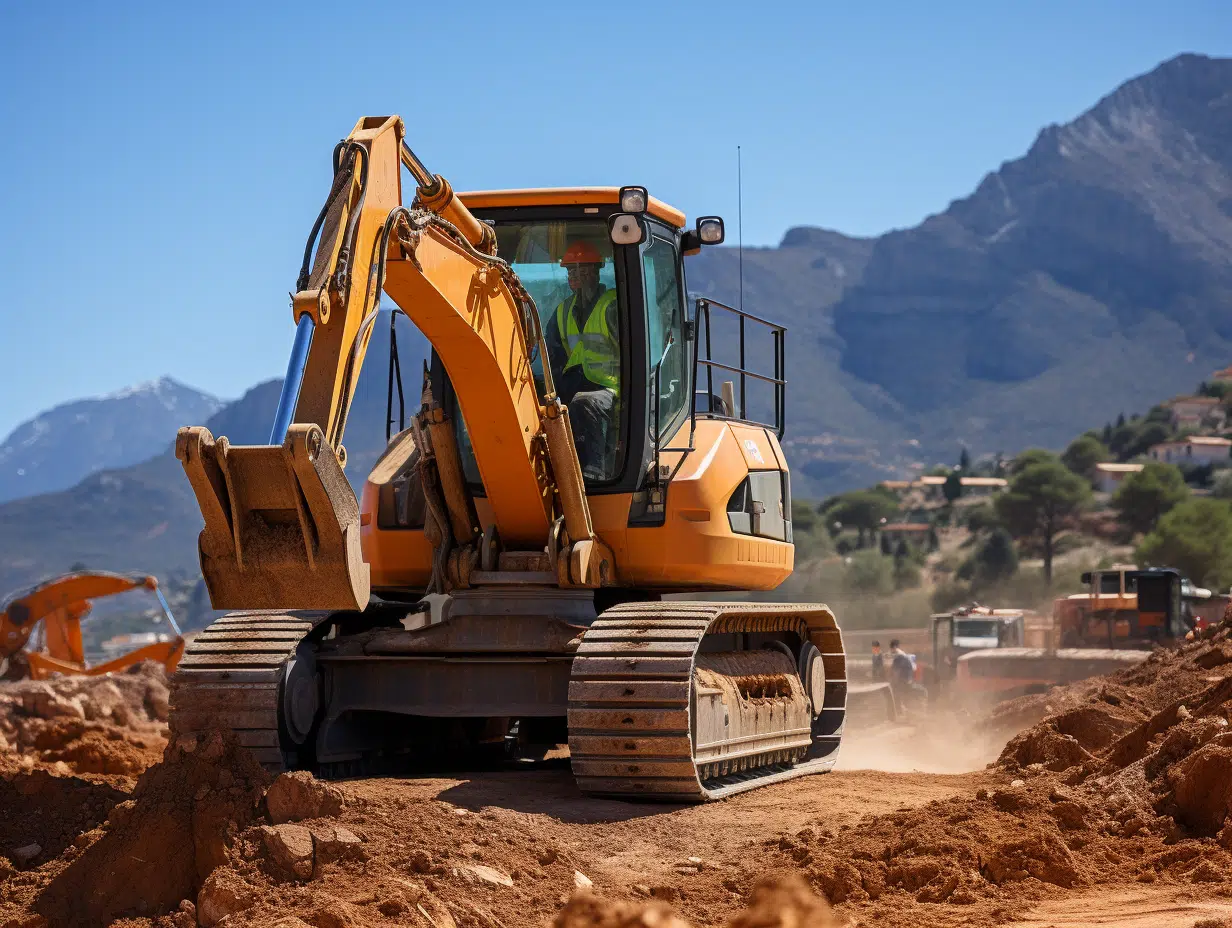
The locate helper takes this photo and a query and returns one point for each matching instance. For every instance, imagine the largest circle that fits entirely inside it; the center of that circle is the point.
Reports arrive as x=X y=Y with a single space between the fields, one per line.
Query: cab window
x=568 y=268
x=665 y=330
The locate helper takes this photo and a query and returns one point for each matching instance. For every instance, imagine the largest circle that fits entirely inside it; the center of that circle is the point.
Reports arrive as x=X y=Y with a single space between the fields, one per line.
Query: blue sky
x=163 y=163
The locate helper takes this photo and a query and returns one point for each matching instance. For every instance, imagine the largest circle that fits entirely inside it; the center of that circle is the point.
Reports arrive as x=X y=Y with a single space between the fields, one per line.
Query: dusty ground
x=1108 y=806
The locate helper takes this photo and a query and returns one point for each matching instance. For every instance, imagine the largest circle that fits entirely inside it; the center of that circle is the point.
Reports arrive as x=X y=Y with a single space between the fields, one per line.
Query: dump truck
x=970 y=628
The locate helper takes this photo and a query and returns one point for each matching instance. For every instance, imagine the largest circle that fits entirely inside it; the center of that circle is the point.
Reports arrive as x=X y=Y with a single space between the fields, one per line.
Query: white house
x=1193 y=411
x=933 y=486
x=1201 y=449
x=1110 y=476
x=983 y=486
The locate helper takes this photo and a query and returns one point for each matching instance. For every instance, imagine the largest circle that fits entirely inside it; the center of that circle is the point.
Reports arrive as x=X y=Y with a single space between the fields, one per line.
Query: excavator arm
x=281 y=522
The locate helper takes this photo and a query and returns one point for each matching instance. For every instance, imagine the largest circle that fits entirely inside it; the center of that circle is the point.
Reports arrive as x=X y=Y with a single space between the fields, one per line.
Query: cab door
x=944 y=659
x=668 y=354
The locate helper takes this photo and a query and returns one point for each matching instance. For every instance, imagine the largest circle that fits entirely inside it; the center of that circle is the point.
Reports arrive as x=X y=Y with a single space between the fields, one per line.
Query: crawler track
x=231 y=678
x=632 y=703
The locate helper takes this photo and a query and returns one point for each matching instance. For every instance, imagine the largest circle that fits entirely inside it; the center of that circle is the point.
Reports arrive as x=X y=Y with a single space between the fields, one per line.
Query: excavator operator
x=584 y=347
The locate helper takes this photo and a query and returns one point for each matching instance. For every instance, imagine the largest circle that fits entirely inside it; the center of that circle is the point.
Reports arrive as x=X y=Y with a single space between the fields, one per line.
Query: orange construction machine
x=49 y=616
x=1124 y=613
x=1125 y=607
x=502 y=579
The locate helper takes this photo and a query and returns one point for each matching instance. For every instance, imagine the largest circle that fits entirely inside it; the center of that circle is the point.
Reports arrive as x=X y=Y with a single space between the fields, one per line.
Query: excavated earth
x=1101 y=803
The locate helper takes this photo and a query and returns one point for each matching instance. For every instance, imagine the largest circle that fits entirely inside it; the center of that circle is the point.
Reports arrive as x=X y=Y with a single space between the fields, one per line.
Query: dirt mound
x=112 y=726
x=156 y=848
x=1119 y=783
x=784 y=901
x=1122 y=780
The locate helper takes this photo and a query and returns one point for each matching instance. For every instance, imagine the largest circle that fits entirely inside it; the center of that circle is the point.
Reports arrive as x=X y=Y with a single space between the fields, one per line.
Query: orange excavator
x=504 y=579
x=51 y=614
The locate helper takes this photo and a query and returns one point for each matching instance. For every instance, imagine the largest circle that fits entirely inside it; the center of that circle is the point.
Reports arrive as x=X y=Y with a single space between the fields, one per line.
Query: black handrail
x=703 y=307
x=778 y=333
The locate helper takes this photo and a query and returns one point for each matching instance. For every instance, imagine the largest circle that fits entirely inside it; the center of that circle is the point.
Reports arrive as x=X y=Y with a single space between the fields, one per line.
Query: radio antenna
x=740 y=225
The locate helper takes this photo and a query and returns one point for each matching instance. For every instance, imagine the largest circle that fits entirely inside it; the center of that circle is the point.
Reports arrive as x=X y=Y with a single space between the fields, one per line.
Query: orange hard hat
x=581 y=252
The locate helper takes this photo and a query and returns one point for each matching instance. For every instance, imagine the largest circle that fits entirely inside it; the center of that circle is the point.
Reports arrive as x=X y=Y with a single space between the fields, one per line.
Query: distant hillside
x=1090 y=276
x=141 y=517
x=145 y=517
x=56 y=449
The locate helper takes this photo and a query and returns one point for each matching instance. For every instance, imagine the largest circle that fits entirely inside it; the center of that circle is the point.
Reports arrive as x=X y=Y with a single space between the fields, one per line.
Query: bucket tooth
x=281 y=522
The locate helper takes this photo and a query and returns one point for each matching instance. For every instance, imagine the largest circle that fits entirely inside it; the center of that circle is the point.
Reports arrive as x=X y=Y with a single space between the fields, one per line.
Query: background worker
x=583 y=343
x=879 y=673
x=902 y=674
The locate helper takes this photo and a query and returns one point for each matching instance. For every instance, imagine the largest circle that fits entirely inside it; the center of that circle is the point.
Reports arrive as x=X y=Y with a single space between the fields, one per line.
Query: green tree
x=907 y=574
x=993 y=561
x=1144 y=497
x=804 y=518
x=1159 y=414
x=1150 y=433
x=1221 y=485
x=1031 y=456
x=1083 y=453
x=862 y=510
x=952 y=489
x=869 y=572
x=964 y=460
x=982 y=518
x=1041 y=499
x=1195 y=537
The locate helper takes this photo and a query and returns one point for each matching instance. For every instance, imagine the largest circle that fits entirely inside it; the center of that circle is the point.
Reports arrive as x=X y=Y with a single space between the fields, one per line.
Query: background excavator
x=51 y=614
x=509 y=576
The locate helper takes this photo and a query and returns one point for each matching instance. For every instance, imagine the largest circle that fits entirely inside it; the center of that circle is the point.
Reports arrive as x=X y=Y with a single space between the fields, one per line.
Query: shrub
x=1146 y=496
x=1195 y=537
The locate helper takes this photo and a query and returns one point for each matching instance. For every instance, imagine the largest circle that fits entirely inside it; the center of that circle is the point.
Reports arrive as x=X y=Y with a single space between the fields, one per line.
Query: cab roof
x=564 y=196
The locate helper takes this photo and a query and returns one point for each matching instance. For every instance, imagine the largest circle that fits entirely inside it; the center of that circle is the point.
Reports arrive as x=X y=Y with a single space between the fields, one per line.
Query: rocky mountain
x=137 y=518
x=1091 y=276
x=58 y=448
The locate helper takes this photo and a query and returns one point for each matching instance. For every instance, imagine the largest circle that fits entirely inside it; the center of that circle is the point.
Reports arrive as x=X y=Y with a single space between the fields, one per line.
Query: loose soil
x=1104 y=802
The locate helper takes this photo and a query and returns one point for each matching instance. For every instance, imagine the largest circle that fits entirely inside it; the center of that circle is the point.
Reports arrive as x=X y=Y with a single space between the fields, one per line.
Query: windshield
x=567 y=267
x=975 y=628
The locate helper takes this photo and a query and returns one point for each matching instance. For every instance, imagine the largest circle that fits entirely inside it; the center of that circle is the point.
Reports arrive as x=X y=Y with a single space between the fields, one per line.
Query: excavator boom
x=282 y=526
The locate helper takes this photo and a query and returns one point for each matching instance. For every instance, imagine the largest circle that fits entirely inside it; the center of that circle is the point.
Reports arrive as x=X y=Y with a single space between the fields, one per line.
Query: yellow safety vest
x=594 y=346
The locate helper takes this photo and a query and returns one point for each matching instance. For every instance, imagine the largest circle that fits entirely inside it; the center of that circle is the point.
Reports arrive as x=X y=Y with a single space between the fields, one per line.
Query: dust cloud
x=945 y=744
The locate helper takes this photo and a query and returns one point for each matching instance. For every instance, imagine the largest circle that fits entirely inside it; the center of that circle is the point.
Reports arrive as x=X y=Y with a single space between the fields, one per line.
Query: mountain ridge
x=66 y=443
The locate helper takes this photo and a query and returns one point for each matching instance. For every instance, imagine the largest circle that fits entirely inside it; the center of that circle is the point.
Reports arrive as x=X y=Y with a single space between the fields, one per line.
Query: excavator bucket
x=281 y=522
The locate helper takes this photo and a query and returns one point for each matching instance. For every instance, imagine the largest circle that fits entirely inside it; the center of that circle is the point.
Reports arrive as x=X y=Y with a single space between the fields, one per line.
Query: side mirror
x=626 y=229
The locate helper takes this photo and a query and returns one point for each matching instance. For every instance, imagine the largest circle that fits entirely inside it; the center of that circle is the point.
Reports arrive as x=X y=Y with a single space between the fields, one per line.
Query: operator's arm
x=556 y=349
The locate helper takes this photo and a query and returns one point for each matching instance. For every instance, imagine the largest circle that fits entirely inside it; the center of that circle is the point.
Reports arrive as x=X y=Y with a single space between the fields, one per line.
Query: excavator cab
x=626 y=300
